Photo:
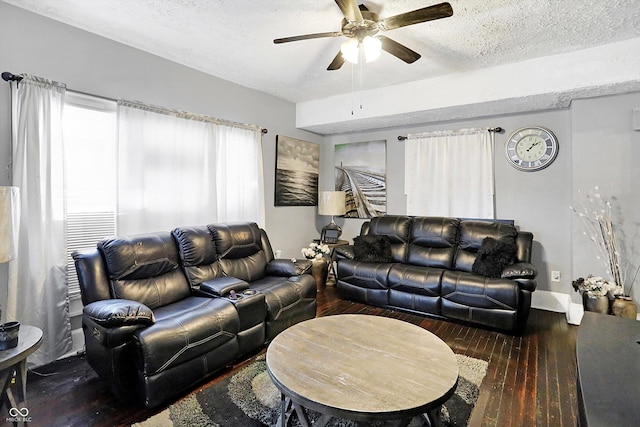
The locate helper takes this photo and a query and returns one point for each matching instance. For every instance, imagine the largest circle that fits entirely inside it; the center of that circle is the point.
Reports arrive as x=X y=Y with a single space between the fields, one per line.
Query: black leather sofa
x=163 y=311
x=430 y=270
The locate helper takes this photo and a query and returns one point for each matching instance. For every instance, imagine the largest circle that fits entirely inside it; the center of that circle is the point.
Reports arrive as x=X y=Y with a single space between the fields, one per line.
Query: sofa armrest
x=519 y=270
x=346 y=251
x=286 y=267
x=222 y=286
x=113 y=313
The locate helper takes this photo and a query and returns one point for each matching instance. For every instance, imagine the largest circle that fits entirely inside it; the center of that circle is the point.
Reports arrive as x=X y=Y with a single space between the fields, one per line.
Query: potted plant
x=595 y=292
x=320 y=269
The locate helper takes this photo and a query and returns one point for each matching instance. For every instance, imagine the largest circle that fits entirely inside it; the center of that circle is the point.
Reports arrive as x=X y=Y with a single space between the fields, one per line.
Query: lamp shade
x=332 y=203
x=9 y=222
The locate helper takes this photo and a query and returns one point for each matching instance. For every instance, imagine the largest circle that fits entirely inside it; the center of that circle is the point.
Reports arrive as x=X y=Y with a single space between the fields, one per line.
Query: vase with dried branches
x=595 y=211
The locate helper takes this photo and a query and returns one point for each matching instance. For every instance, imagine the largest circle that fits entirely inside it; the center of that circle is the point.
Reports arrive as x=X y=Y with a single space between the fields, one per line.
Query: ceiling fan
x=360 y=23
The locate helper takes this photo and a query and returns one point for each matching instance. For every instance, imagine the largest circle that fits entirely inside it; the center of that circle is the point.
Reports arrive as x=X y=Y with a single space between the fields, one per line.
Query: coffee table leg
x=433 y=417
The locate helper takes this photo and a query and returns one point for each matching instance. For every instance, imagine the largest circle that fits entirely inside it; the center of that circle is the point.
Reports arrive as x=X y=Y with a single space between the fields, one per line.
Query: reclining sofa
x=163 y=311
x=431 y=269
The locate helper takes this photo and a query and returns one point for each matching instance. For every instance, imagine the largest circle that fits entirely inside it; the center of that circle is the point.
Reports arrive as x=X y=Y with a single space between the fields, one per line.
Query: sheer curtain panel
x=239 y=178
x=37 y=291
x=179 y=169
x=450 y=173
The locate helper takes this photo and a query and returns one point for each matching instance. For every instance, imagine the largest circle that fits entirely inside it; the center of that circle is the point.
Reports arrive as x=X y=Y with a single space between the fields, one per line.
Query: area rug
x=248 y=398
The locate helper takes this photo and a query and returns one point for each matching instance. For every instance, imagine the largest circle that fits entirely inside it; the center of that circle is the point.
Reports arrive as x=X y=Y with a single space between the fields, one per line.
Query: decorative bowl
x=9 y=335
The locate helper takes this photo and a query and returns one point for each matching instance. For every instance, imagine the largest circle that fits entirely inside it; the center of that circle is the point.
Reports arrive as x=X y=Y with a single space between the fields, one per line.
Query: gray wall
x=88 y=63
x=597 y=144
x=606 y=153
x=597 y=147
x=537 y=201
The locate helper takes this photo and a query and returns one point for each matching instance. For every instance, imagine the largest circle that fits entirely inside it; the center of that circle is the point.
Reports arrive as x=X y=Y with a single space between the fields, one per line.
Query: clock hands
x=533 y=145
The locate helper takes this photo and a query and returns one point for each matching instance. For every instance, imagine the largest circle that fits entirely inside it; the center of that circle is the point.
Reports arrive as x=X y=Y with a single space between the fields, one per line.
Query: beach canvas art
x=360 y=171
x=297 y=169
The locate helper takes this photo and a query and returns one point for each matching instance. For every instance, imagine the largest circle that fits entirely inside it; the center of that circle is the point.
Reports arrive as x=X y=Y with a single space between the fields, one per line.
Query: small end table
x=332 y=256
x=14 y=360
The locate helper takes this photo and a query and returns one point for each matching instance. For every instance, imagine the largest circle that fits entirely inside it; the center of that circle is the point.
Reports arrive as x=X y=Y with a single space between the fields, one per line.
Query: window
x=131 y=168
x=90 y=160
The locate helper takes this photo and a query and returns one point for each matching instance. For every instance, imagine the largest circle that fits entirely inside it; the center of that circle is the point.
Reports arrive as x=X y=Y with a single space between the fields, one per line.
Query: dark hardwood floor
x=531 y=379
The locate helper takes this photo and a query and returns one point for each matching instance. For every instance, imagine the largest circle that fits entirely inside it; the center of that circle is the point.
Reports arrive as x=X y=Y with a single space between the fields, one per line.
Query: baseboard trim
x=561 y=303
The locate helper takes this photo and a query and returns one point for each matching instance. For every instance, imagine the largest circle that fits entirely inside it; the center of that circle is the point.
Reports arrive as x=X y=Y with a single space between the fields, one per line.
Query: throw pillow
x=372 y=248
x=493 y=256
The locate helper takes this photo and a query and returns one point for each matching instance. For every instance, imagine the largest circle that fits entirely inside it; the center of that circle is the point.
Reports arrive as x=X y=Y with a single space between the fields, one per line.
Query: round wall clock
x=531 y=148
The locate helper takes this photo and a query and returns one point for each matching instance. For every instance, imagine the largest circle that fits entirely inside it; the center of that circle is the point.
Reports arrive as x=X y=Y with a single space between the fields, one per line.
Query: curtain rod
x=10 y=77
x=496 y=129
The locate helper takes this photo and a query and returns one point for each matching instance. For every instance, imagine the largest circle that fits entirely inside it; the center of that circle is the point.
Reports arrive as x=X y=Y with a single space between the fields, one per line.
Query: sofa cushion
x=472 y=234
x=185 y=330
x=493 y=256
x=364 y=274
x=372 y=248
x=433 y=242
x=240 y=249
x=288 y=300
x=144 y=268
x=396 y=228
x=415 y=288
x=198 y=254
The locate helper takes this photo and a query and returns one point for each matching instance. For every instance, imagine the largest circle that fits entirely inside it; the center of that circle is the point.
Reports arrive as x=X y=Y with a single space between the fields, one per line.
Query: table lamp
x=331 y=203
x=9 y=219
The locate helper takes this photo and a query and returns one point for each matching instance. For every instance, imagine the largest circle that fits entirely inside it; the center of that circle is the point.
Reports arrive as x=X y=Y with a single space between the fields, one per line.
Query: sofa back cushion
x=473 y=233
x=198 y=254
x=144 y=268
x=433 y=242
x=397 y=229
x=240 y=250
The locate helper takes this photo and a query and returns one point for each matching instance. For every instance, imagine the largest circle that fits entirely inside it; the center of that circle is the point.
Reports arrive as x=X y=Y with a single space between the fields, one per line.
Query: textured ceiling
x=233 y=39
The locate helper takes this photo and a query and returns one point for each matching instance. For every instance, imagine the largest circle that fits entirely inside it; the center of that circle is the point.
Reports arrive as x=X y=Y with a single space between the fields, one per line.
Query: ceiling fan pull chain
x=353 y=92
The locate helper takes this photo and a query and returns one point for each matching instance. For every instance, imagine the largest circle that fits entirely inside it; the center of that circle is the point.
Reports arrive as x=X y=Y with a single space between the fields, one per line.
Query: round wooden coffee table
x=363 y=368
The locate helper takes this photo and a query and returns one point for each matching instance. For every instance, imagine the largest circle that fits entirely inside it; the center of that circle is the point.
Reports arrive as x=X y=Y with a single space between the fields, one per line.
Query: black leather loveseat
x=442 y=267
x=163 y=311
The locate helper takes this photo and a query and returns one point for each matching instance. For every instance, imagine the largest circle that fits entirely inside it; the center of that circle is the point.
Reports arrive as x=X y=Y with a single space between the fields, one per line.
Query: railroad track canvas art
x=360 y=171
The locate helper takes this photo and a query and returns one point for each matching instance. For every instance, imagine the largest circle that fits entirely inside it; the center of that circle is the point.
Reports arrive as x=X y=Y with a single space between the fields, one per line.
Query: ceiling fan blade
x=337 y=62
x=350 y=10
x=308 y=36
x=429 y=13
x=398 y=50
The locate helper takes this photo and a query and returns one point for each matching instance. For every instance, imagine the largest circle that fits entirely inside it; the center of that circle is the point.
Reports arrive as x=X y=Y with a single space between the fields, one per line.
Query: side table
x=15 y=360
x=332 y=256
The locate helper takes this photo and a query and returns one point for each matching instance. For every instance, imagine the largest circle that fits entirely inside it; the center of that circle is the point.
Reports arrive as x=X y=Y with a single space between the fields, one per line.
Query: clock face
x=531 y=148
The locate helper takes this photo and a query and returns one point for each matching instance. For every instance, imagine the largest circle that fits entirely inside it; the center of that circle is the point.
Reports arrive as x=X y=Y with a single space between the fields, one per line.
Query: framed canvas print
x=360 y=171
x=297 y=169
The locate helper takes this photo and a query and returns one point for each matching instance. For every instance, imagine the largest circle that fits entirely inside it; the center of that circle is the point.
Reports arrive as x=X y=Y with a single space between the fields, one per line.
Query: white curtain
x=450 y=173
x=239 y=178
x=37 y=291
x=182 y=169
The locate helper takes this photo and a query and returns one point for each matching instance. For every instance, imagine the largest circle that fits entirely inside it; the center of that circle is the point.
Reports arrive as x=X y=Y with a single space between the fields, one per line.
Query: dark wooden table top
x=608 y=357
x=363 y=367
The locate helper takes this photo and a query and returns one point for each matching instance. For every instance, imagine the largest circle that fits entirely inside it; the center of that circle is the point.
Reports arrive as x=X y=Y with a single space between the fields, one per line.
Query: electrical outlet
x=555 y=276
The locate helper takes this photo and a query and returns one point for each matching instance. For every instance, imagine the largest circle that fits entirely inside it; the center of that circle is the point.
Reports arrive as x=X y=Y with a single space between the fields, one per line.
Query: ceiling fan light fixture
x=372 y=48
x=350 y=50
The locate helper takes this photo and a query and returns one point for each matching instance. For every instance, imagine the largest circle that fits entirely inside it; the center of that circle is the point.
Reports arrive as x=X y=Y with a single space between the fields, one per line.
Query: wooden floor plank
x=530 y=379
